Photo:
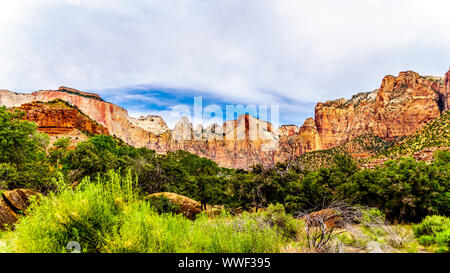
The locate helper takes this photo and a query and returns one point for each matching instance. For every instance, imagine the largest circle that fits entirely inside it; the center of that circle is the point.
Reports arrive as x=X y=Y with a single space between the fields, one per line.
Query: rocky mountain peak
x=151 y=123
x=183 y=130
x=81 y=93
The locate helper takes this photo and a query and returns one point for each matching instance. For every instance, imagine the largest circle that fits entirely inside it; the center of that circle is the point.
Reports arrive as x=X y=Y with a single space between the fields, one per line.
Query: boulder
x=188 y=207
x=14 y=202
x=7 y=216
x=19 y=199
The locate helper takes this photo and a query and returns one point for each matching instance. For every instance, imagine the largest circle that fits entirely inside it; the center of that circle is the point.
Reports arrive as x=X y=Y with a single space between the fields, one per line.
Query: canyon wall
x=57 y=118
x=398 y=108
x=113 y=117
x=238 y=144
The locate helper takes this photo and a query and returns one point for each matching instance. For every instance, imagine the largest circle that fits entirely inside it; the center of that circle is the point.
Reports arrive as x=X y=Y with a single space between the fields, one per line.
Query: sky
x=151 y=55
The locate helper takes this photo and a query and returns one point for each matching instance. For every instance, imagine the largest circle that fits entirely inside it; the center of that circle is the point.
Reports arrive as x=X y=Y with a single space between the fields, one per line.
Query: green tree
x=23 y=160
x=19 y=140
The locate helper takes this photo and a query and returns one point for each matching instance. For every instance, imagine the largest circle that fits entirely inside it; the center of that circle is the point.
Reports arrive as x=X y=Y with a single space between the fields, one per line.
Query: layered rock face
x=237 y=143
x=56 y=118
x=288 y=130
x=402 y=105
x=308 y=137
x=113 y=117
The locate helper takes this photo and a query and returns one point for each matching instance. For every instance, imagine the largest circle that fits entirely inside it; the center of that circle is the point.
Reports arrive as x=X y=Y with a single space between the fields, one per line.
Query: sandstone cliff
x=398 y=108
x=239 y=144
x=113 y=117
x=56 y=118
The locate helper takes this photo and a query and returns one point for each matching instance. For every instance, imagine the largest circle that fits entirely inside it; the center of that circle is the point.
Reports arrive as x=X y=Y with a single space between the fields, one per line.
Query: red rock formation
x=446 y=94
x=288 y=130
x=292 y=144
x=238 y=143
x=20 y=199
x=308 y=137
x=78 y=92
x=402 y=105
x=57 y=118
x=113 y=117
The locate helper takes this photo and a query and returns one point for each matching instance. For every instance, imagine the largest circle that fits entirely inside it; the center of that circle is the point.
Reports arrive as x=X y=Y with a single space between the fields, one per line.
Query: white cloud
x=254 y=51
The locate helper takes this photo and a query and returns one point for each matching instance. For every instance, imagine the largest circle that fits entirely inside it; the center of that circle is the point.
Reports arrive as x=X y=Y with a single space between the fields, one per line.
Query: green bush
x=108 y=216
x=143 y=230
x=368 y=215
x=84 y=215
x=23 y=159
x=162 y=204
x=275 y=217
x=427 y=240
x=434 y=230
x=443 y=239
x=432 y=225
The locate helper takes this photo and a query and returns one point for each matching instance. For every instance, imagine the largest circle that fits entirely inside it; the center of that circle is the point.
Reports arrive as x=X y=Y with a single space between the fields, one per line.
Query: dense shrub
x=434 y=230
x=275 y=217
x=108 y=216
x=443 y=239
x=23 y=161
x=432 y=225
x=404 y=189
x=427 y=240
x=162 y=204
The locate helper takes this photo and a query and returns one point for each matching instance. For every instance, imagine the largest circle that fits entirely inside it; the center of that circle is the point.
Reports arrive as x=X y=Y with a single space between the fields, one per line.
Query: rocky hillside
x=58 y=117
x=421 y=145
x=370 y=151
x=400 y=107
